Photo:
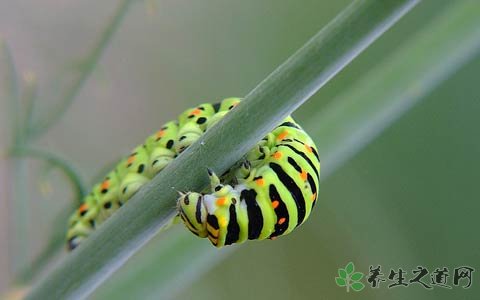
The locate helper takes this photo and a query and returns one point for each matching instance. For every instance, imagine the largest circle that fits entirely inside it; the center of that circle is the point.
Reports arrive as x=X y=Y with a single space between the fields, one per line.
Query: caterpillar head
x=77 y=233
x=193 y=213
x=74 y=241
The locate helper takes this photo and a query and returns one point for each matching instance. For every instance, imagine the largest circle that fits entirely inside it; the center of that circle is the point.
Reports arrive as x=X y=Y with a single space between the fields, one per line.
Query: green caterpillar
x=270 y=192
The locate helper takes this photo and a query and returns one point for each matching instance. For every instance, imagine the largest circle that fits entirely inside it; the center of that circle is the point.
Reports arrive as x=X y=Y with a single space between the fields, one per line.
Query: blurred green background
x=408 y=198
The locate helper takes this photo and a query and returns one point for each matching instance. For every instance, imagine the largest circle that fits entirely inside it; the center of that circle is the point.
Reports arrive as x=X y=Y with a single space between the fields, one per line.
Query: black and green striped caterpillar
x=270 y=192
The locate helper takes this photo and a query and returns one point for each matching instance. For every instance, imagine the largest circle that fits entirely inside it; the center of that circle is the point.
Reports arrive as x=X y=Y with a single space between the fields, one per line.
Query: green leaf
x=340 y=281
x=356 y=276
x=357 y=286
x=350 y=268
x=342 y=273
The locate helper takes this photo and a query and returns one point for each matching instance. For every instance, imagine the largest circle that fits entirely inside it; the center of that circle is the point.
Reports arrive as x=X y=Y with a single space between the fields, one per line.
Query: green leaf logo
x=350 y=279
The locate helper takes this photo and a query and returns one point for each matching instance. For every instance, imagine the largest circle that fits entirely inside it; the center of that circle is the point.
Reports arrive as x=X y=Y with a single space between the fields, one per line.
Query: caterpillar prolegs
x=270 y=192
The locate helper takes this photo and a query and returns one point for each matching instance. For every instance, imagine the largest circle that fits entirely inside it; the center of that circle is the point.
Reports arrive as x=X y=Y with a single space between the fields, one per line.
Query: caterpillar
x=268 y=193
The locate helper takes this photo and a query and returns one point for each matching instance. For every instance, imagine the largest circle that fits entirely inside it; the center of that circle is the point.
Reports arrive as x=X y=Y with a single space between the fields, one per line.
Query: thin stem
x=28 y=97
x=19 y=207
x=9 y=78
x=66 y=168
x=88 y=66
x=58 y=237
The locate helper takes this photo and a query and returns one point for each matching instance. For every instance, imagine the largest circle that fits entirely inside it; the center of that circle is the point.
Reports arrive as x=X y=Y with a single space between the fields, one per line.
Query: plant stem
x=19 y=208
x=88 y=66
x=63 y=165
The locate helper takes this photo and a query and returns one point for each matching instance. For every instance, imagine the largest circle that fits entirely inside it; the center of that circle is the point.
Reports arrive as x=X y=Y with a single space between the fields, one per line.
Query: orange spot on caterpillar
x=282 y=135
x=275 y=204
x=130 y=159
x=160 y=133
x=221 y=201
x=308 y=148
x=303 y=175
x=314 y=197
x=273 y=238
x=83 y=207
x=281 y=221
x=277 y=155
x=195 y=112
x=260 y=181
x=105 y=185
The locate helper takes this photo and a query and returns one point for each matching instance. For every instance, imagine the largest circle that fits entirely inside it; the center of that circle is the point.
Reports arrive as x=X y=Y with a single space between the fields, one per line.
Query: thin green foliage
x=20 y=207
x=10 y=86
x=64 y=166
x=22 y=98
x=86 y=68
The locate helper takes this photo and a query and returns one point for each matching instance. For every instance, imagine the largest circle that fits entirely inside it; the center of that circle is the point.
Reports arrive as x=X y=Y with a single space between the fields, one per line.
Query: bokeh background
x=408 y=198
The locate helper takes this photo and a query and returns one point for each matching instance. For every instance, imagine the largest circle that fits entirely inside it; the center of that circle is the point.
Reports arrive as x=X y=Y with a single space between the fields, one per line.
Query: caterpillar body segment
x=144 y=162
x=269 y=193
x=274 y=192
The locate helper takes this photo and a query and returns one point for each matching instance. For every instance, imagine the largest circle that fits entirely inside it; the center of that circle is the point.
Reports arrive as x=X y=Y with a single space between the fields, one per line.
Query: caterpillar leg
x=244 y=171
x=261 y=151
x=130 y=185
x=160 y=158
x=257 y=156
x=214 y=181
x=267 y=194
x=224 y=107
x=188 y=134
